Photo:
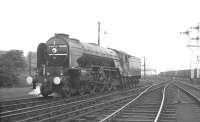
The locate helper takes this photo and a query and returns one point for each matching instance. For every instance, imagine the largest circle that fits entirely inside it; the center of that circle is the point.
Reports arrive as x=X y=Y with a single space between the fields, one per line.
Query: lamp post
x=144 y=67
x=99 y=33
x=29 y=62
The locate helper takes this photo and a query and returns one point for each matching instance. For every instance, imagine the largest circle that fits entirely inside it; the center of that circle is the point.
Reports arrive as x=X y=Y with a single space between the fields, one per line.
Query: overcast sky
x=149 y=28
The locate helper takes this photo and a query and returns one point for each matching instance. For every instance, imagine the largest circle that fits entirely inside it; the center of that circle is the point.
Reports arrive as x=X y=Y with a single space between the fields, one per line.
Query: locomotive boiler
x=69 y=67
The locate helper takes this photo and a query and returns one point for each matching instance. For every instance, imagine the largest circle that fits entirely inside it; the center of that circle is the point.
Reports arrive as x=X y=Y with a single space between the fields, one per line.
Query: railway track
x=191 y=89
x=161 y=105
x=24 y=102
x=181 y=98
x=188 y=106
x=9 y=105
x=29 y=103
x=146 y=106
x=56 y=107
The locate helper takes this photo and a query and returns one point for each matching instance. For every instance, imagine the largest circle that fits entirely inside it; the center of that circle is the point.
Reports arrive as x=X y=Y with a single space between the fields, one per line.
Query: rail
x=194 y=96
x=190 y=85
x=112 y=115
x=109 y=117
x=161 y=106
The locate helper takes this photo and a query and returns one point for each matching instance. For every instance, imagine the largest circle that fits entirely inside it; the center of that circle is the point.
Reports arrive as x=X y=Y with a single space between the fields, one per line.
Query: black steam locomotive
x=68 y=66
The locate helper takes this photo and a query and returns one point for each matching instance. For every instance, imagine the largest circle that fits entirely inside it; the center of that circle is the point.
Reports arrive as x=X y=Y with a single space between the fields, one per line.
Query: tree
x=12 y=64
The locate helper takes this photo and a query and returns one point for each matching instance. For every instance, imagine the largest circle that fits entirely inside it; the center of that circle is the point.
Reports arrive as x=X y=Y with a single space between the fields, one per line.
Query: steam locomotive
x=68 y=67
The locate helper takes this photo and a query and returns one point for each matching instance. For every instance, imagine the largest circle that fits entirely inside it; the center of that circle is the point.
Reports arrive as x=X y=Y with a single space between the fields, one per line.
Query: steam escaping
x=35 y=92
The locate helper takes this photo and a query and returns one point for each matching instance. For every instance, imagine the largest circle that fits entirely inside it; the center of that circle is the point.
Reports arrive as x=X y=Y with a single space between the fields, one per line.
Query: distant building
x=187 y=73
x=148 y=71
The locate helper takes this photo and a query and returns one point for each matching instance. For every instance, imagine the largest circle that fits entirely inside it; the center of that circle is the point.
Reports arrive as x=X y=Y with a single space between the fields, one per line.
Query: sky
x=143 y=28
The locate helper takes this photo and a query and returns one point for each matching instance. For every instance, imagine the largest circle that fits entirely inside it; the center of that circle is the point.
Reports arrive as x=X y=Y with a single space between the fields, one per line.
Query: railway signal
x=186 y=32
x=196 y=38
x=196 y=27
x=194 y=45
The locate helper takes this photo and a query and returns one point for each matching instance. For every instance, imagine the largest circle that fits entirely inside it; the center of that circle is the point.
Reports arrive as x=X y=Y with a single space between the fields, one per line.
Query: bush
x=8 y=80
x=12 y=64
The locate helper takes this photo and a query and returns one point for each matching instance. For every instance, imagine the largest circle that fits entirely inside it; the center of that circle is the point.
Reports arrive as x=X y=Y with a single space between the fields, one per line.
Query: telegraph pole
x=99 y=33
x=29 y=62
x=144 y=67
